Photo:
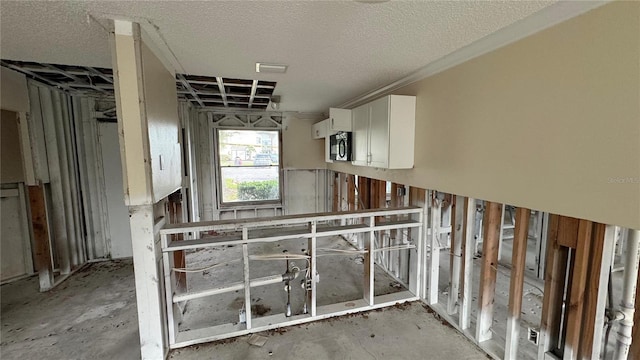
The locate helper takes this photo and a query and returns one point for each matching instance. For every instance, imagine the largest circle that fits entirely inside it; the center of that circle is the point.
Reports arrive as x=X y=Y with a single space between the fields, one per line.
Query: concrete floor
x=408 y=331
x=341 y=279
x=92 y=315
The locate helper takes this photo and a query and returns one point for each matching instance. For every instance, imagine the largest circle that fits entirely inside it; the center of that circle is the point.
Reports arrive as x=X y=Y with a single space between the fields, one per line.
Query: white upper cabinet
x=384 y=132
x=339 y=120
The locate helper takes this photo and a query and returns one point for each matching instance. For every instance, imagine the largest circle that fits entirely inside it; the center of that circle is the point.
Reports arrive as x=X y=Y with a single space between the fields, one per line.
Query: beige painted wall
x=161 y=100
x=551 y=122
x=148 y=133
x=299 y=150
x=14 y=95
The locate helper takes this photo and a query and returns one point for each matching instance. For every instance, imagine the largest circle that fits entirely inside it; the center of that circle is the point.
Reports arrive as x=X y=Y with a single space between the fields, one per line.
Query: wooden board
x=518 y=260
x=488 y=272
x=555 y=276
x=568 y=232
x=576 y=295
x=41 y=240
x=595 y=292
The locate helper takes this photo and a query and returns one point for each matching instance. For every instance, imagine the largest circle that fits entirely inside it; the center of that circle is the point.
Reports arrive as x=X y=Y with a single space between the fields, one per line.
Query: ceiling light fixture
x=271 y=68
x=274 y=102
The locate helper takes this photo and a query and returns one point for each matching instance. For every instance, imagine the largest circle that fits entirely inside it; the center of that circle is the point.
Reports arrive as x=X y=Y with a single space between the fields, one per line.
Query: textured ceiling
x=335 y=50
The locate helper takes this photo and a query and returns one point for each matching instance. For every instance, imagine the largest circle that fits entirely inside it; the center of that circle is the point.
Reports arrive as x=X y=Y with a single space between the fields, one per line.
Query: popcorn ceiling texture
x=335 y=50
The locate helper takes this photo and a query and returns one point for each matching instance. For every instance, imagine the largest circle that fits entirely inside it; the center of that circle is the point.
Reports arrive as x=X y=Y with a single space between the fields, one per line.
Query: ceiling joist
x=202 y=91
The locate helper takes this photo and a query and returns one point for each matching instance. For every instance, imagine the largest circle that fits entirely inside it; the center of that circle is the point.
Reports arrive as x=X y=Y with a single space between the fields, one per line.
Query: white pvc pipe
x=274 y=279
x=632 y=258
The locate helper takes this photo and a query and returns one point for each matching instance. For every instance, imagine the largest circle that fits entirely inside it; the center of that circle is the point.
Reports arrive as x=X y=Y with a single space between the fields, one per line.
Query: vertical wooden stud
x=41 y=240
x=576 y=295
x=434 y=264
x=554 y=283
x=488 y=272
x=596 y=297
x=466 y=266
x=518 y=259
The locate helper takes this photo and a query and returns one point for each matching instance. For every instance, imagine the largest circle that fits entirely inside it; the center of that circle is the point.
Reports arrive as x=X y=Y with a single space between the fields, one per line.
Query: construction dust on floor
x=92 y=315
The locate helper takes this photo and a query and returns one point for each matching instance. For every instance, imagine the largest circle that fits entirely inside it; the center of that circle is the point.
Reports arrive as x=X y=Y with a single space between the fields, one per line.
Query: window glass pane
x=248 y=148
x=249 y=165
x=250 y=183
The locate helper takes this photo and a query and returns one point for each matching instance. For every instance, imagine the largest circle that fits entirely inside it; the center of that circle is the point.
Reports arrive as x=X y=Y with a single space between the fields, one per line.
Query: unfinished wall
x=550 y=122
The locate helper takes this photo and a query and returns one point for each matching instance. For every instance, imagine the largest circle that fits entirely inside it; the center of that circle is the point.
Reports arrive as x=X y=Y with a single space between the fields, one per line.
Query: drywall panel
x=299 y=149
x=118 y=213
x=161 y=103
x=305 y=191
x=11 y=170
x=13 y=238
x=551 y=122
x=14 y=95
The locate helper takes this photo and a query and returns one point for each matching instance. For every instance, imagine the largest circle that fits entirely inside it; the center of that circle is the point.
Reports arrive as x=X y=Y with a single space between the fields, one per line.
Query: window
x=249 y=163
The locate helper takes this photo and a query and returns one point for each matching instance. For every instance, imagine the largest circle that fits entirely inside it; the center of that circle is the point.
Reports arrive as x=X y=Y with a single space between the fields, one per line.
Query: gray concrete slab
x=408 y=331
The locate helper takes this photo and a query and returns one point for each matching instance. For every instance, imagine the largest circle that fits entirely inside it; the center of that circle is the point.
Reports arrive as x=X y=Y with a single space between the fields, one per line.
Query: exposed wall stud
x=518 y=260
x=488 y=272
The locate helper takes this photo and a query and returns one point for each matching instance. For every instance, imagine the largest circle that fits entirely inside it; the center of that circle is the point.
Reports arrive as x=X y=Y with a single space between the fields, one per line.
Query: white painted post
x=434 y=270
x=247 y=279
x=467 y=276
x=314 y=276
x=147 y=274
x=603 y=281
x=169 y=285
x=456 y=238
x=501 y=237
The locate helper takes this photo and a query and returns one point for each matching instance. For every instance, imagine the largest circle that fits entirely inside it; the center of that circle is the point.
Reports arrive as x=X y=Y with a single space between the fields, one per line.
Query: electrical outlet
x=533 y=335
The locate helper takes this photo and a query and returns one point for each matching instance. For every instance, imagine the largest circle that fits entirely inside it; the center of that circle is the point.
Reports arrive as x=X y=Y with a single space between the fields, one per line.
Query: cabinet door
x=339 y=119
x=379 y=133
x=360 y=135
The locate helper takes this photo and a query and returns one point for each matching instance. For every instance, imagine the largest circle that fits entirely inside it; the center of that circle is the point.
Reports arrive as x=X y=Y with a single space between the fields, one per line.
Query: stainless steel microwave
x=340 y=146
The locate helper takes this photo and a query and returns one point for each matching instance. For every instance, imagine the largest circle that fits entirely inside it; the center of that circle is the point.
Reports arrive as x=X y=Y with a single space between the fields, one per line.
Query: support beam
x=554 y=283
x=576 y=295
x=488 y=272
x=518 y=260
x=455 y=261
x=363 y=192
x=351 y=192
x=179 y=260
x=434 y=263
x=466 y=268
x=368 y=288
x=417 y=197
x=596 y=297
x=336 y=192
x=41 y=239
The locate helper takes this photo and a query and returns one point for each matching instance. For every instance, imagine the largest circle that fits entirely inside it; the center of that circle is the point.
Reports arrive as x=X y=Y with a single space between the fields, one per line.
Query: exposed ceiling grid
x=202 y=91
x=335 y=50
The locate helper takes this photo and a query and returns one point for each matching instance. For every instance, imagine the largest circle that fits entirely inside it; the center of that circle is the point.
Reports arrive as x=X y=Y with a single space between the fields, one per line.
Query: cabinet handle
x=332 y=124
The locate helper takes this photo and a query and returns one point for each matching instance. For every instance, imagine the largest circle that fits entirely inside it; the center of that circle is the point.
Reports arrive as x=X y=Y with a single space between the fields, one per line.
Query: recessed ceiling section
x=80 y=80
x=202 y=91
x=207 y=91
